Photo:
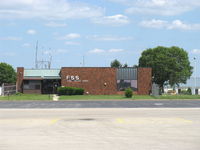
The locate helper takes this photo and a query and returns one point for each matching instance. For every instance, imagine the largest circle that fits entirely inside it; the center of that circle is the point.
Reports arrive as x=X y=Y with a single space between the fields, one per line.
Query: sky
x=96 y=31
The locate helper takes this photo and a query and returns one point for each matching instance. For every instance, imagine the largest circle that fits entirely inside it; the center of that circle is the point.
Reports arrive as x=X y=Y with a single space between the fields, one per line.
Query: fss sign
x=72 y=78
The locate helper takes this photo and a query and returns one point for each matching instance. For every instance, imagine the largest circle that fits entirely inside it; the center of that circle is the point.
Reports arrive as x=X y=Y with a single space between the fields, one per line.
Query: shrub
x=18 y=93
x=128 y=92
x=70 y=91
x=186 y=92
x=61 y=90
x=189 y=91
x=79 y=91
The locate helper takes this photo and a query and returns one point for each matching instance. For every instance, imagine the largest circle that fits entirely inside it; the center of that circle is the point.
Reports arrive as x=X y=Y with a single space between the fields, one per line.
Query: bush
x=128 y=92
x=189 y=91
x=61 y=90
x=70 y=91
x=186 y=92
x=79 y=91
x=18 y=93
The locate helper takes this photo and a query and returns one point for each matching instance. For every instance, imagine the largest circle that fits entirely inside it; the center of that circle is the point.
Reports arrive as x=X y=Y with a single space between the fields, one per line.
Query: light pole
x=195 y=78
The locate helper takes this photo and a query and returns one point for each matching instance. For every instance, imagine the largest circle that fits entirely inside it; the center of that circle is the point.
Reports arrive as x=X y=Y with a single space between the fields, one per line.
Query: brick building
x=95 y=80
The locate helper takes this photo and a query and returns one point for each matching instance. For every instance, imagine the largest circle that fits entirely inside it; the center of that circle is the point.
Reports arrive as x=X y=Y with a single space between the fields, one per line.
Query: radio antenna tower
x=42 y=64
x=36 y=55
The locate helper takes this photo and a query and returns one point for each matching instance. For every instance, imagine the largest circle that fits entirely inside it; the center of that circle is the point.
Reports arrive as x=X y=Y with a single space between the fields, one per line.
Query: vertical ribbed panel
x=127 y=74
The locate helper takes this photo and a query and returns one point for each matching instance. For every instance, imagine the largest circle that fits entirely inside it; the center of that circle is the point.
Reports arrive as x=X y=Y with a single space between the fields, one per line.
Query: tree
x=169 y=64
x=135 y=66
x=115 y=64
x=7 y=74
x=125 y=65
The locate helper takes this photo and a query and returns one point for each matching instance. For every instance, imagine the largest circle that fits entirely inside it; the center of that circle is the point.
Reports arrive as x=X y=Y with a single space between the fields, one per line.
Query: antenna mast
x=83 y=61
x=42 y=64
x=36 y=55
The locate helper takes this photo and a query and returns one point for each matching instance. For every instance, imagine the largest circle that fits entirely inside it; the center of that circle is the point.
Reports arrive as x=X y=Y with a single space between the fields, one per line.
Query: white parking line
x=158 y=104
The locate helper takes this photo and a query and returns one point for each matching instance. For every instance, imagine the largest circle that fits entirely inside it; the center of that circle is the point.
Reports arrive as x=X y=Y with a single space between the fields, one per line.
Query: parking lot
x=111 y=128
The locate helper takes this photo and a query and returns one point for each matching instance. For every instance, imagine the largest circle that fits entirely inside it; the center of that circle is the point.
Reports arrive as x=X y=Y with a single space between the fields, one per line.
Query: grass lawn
x=121 y=97
x=178 y=97
x=92 y=97
x=96 y=97
x=27 y=97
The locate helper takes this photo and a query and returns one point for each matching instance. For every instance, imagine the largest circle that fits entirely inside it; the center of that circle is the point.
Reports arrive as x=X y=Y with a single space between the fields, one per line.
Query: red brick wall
x=20 y=77
x=95 y=77
x=144 y=81
x=91 y=79
x=32 y=92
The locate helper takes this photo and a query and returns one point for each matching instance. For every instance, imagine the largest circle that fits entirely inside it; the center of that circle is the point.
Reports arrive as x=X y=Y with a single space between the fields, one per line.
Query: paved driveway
x=100 y=129
x=103 y=104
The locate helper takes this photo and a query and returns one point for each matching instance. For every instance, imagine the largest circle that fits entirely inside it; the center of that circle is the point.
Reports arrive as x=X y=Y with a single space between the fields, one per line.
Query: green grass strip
x=27 y=97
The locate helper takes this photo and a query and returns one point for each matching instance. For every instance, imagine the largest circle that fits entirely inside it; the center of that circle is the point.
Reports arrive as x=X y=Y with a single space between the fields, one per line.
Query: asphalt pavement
x=100 y=129
x=103 y=104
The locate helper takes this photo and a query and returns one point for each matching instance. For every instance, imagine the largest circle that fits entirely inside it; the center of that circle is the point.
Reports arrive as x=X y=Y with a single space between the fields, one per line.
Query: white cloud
x=99 y=51
x=116 y=20
x=115 y=50
x=154 y=23
x=159 y=7
x=55 y=24
x=176 y=24
x=109 y=38
x=8 y=54
x=47 y=9
x=61 y=51
x=26 y=45
x=10 y=38
x=70 y=36
x=71 y=43
x=96 y=50
x=196 y=51
x=55 y=52
x=120 y=1
x=31 y=31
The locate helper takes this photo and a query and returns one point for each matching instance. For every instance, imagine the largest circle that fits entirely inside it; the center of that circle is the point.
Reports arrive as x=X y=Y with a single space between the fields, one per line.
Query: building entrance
x=49 y=86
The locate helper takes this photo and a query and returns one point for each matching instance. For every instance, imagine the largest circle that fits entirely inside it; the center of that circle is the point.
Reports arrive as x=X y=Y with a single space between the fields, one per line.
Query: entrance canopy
x=40 y=74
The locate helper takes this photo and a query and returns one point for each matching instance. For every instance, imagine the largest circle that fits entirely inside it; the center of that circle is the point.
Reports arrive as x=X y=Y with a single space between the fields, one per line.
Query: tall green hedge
x=70 y=91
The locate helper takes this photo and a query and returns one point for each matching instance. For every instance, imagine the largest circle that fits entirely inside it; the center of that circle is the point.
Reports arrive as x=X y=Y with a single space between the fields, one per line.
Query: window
x=126 y=78
x=37 y=87
x=32 y=85
x=123 y=84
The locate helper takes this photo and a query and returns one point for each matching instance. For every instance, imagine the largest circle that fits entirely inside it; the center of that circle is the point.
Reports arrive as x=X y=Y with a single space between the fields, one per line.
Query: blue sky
x=99 y=30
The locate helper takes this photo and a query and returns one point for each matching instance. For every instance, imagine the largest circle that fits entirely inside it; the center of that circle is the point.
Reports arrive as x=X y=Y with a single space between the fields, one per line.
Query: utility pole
x=195 y=79
x=83 y=61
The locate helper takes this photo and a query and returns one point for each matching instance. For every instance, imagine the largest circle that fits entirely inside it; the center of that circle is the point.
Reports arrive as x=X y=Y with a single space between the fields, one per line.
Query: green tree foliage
x=7 y=74
x=189 y=91
x=115 y=64
x=135 y=66
x=169 y=64
x=125 y=65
